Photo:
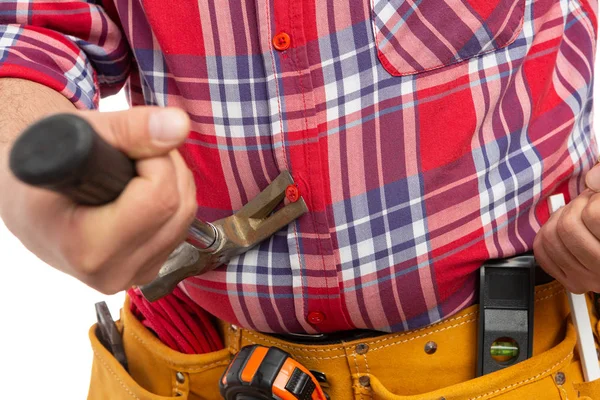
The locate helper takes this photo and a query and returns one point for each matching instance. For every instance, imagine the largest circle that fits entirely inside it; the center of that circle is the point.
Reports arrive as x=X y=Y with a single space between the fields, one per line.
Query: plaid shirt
x=425 y=136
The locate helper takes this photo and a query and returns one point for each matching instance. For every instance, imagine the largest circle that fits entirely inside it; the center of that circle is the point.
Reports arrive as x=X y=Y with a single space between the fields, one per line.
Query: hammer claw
x=266 y=201
x=234 y=235
x=279 y=220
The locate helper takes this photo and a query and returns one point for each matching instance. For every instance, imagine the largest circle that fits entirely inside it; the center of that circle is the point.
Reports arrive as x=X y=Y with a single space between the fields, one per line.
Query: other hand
x=568 y=245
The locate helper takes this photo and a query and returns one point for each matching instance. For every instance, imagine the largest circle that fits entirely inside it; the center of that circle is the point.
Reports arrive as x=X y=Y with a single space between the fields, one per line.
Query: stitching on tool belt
x=114 y=374
x=177 y=365
x=368 y=373
x=562 y=389
x=550 y=295
x=357 y=371
x=341 y=347
x=424 y=335
x=318 y=358
x=524 y=381
x=380 y=347
x=425 y=328
x=552 y=287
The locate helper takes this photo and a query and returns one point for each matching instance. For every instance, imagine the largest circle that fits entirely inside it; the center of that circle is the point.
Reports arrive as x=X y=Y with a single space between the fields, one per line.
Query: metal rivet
x=180 y=377
x=364 y=381
x=560 y=378
x=361 y=348
x=233 y=328
x=430 y=347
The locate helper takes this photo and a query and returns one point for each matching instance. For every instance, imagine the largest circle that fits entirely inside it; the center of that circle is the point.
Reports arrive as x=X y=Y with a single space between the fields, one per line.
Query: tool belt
x=432 y=363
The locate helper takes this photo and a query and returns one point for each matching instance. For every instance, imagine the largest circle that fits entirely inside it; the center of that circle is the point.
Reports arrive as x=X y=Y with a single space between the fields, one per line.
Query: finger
x=141 y=132
x=545 y=261
x=592 y=178
x=574 y=234
x=559 y=256
x=590 y=215
x=175 y=231
x=147 y=203
x=149 y=270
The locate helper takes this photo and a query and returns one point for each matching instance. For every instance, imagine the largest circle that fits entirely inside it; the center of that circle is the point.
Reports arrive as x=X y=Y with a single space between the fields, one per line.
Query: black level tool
x=64 y=153
x=505 y=312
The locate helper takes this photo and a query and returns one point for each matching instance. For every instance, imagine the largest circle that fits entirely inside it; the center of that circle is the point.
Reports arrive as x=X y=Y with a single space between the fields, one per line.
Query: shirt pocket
x=415 y=36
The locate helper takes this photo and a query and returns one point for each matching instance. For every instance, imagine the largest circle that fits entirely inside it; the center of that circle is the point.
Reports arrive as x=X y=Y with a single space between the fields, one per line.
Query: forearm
x=21 y=103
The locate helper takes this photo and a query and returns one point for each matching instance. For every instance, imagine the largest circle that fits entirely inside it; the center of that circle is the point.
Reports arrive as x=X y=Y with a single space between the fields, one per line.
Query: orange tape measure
x=267 y=373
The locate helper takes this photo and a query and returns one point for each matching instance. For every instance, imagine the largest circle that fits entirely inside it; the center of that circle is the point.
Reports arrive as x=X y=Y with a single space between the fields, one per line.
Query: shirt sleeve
x=71 y=46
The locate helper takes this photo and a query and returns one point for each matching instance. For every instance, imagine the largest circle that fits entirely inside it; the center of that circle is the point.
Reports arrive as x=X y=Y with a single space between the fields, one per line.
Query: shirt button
x=292 y=193
x=281 y=41
x=316 y=317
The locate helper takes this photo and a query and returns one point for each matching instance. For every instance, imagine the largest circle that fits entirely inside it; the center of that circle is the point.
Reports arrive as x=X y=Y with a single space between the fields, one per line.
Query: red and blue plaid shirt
x=424 y=136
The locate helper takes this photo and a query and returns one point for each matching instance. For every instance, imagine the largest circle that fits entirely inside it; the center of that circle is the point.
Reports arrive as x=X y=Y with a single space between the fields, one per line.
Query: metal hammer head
x=236 y=234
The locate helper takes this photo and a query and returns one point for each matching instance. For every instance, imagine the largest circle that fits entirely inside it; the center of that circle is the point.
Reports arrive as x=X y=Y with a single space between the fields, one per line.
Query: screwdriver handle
x=65 y=154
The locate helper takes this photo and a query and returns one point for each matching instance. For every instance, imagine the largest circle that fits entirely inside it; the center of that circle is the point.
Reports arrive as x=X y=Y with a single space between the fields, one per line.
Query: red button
x=281 y=41
x=316 y=317
x=292 y=193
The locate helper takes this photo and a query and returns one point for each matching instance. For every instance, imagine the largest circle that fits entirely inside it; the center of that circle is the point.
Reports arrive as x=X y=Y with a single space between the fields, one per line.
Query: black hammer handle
x=63 y=153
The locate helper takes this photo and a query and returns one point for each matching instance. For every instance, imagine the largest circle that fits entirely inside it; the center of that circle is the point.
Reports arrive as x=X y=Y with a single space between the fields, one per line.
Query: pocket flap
x=415 y=35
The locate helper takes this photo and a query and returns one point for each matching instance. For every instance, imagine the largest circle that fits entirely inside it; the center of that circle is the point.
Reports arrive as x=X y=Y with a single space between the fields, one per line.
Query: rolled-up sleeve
x=73 y=47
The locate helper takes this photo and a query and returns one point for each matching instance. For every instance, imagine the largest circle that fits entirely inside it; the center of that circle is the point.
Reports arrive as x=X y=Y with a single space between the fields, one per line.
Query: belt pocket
x=109 y=379
x=590 y=390
x=414 y=36
x=551 y=375
x=156 y=372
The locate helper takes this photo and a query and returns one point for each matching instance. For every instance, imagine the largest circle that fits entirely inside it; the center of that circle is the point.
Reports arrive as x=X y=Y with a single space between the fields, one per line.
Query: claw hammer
x=63 y=153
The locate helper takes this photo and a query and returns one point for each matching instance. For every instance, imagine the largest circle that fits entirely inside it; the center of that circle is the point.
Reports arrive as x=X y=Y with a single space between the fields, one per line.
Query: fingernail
x=592 y=179
x=168 y=126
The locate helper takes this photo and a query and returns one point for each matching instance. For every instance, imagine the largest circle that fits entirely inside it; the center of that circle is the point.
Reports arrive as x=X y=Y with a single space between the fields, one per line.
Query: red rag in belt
x=177 y=321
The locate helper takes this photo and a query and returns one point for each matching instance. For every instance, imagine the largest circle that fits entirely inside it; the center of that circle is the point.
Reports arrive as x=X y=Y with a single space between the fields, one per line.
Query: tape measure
x=267 y=373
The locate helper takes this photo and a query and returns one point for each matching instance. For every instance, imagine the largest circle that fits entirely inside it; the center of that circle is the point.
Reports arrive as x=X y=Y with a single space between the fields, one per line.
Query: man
x=425 y=138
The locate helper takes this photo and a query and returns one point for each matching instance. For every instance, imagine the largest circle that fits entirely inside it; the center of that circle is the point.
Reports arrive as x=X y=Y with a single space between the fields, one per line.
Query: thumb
x=142 y=132
x=592 y=178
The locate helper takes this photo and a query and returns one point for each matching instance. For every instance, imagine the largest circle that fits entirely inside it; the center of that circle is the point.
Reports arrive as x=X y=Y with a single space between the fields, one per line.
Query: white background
x=45 y=316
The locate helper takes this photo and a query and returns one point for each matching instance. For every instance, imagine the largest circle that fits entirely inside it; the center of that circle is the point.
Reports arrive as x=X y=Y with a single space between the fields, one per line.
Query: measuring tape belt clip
x=266 y=373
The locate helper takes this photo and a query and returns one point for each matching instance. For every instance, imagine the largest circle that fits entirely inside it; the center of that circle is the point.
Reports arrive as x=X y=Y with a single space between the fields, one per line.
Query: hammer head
x=236 y=234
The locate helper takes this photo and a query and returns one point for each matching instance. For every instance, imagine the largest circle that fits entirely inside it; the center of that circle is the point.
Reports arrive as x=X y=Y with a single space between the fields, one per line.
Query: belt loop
x=356 y=356
x=181 y=384
x=233 y=338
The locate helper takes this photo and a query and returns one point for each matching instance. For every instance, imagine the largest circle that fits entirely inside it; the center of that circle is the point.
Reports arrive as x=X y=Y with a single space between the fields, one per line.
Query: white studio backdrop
x=45 y=316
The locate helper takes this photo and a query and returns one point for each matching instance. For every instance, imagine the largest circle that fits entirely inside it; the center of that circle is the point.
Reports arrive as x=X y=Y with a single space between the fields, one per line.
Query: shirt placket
x=297 y=147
